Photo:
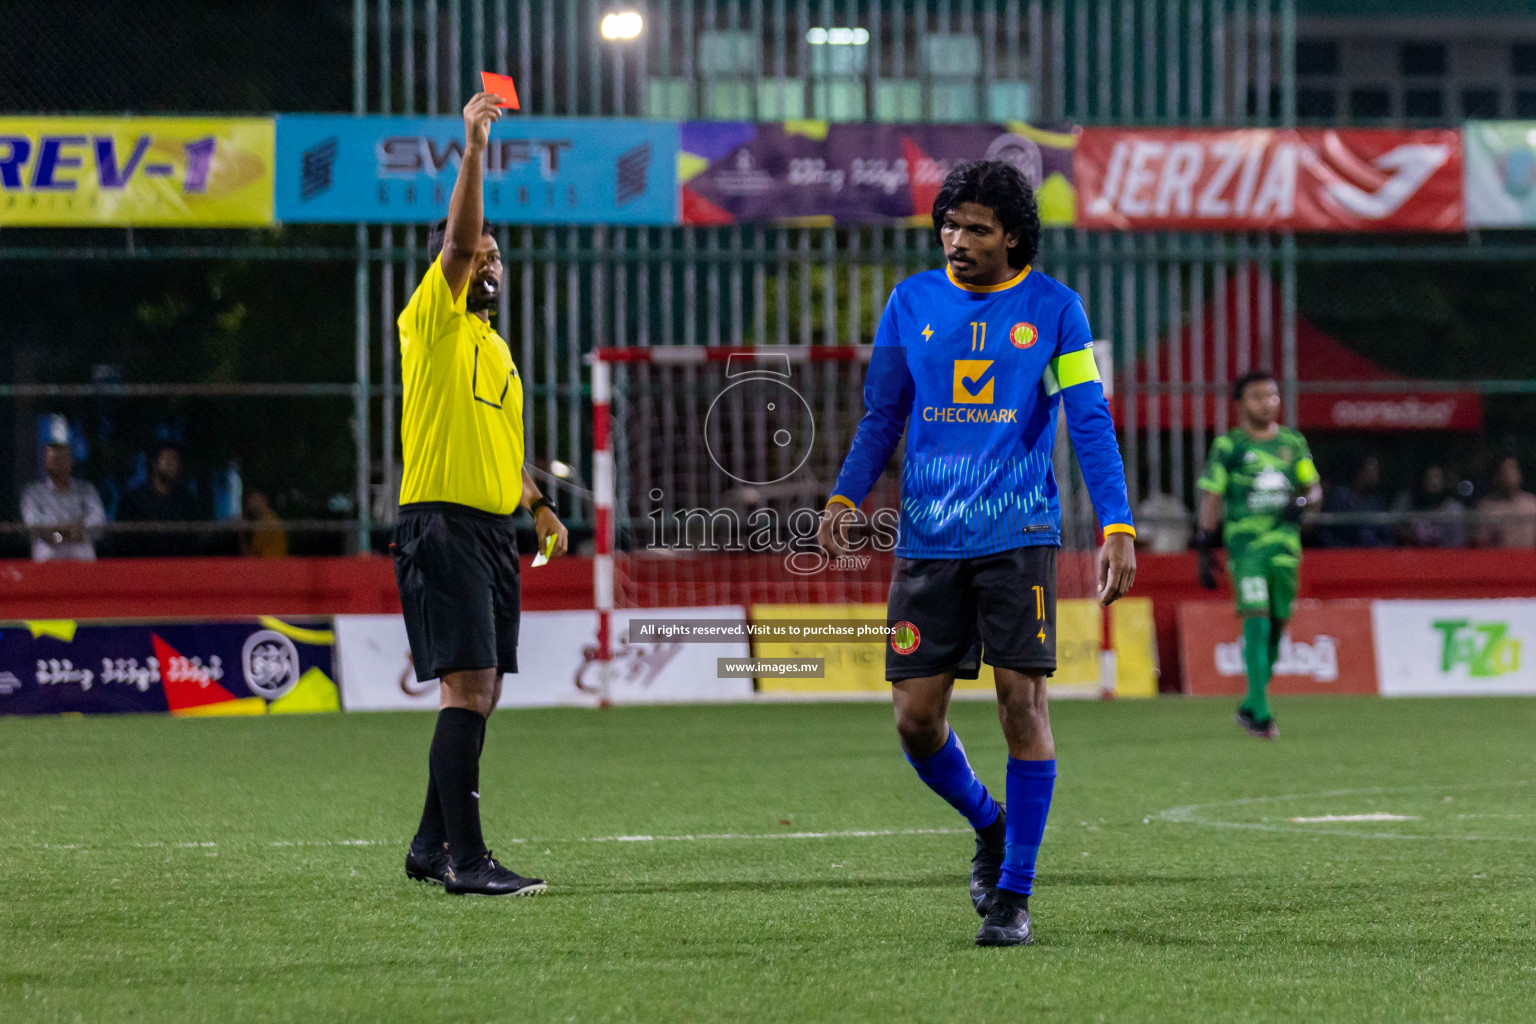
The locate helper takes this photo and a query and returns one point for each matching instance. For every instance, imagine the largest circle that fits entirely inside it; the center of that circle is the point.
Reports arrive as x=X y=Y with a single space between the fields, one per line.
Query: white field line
x=702 y=837
x=1197 y=814
x=1378 y=816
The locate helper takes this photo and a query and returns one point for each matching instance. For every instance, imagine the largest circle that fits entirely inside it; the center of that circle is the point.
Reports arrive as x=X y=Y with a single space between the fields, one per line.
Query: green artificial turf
x=250 y=869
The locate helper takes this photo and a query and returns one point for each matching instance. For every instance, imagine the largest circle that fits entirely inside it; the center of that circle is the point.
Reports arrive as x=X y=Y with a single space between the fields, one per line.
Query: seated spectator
x=1440 y=519
x=1507 y=516
x=163 y=498
x=1361 y=496
x=266 y=537
x=64 y=515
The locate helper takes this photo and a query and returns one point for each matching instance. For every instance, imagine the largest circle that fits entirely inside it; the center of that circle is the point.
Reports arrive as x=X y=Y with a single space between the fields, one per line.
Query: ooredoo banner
x=1455 y=648
x=193 y=669
x=149 y=171
x=1328 y=648
x=1269 y=179
x=557 y=663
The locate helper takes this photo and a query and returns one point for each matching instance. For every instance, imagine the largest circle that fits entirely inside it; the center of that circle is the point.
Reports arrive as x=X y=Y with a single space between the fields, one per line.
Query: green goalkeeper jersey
x=1257 y=479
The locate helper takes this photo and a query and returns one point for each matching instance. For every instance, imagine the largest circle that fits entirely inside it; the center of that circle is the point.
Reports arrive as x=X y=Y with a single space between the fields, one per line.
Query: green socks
x=1256 y=659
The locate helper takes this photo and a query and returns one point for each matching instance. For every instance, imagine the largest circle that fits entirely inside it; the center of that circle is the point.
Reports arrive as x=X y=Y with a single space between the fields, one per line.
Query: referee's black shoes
x=427 y=863
x=484 y=876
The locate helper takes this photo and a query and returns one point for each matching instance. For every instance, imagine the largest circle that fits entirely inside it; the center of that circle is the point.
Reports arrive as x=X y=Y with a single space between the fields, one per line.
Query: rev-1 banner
x=1269 y=179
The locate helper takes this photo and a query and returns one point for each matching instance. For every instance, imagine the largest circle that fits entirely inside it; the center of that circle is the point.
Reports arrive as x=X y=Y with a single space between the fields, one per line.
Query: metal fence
x=1202 y=62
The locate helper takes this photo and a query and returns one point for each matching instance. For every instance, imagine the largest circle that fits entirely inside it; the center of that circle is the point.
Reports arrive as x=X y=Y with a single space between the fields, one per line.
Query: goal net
x=713 y=465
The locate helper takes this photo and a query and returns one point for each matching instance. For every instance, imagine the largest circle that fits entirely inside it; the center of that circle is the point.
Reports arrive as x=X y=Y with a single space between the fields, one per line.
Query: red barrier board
x=1269 y=179
x=1328 y=648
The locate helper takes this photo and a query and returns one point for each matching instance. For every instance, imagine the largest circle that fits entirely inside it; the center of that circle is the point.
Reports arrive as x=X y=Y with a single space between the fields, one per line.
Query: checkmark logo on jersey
x=973 y=381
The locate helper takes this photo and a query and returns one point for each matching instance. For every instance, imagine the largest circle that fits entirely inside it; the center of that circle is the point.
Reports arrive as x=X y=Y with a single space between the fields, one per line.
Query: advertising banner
x=240 y=667
x=1269 y=179
x=860 y=667
x=399 y=170
x=1455 y=648
x=144 y=171
x=819 y=172
x=1500 y=173
x=1328 y=648
x=556 y=663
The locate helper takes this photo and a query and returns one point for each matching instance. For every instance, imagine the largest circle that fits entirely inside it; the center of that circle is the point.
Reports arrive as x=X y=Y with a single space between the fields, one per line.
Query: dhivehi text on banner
x=143 y=171
x=401 y=170
x=811 y=172
x=254 y=666
x=1500 y=173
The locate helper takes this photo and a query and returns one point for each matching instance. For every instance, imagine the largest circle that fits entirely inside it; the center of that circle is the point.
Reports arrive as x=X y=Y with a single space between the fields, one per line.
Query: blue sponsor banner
x=240 y=667
x=401 y=170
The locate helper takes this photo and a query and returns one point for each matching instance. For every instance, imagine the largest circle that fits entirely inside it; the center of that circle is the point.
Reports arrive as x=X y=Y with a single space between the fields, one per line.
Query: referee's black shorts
x=954 y=613
x=460 y=588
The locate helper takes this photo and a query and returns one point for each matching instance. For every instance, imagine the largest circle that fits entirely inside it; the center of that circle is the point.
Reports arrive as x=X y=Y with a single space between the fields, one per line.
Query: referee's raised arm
x=466 y=208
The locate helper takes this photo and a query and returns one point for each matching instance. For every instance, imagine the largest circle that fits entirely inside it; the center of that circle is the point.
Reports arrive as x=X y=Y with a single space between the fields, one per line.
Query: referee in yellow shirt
x=455 y=549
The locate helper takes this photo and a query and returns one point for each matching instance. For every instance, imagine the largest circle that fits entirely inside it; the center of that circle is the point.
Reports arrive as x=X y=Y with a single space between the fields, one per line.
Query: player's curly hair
x=439 y=234
x=1241 y=384
x=1001 y=188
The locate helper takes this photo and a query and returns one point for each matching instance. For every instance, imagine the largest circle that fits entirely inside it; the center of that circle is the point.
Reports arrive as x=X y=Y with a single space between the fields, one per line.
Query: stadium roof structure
x=1342 y=389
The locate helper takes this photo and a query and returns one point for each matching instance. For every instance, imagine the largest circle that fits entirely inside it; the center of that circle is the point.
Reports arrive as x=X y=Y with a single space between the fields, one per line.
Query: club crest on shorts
x=905 y=638
x=1023 y=334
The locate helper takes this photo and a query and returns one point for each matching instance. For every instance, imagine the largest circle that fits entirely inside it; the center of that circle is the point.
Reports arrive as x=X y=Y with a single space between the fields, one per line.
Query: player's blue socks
x=1030 y=784
x=949 y=774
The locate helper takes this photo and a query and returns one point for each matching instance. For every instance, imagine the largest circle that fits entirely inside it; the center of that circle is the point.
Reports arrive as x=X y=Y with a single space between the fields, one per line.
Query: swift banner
x=191 y=669
x=1501 y=173
x=399 y=170
x=146 y=171
x=1264 y=179
x=813 y=171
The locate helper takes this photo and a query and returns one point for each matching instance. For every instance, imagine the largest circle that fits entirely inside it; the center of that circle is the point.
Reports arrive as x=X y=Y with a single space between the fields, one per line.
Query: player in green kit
x=1258 y=481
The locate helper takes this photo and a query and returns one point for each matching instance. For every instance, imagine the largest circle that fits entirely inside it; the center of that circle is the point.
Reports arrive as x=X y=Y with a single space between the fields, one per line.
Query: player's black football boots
x=426 y=863
x=485 y=877
x=1006 y=922
x=1267 y=729
x=987 y=865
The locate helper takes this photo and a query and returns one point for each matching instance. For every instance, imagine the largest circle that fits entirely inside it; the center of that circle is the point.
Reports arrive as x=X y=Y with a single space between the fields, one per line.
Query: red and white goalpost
x=711 y=465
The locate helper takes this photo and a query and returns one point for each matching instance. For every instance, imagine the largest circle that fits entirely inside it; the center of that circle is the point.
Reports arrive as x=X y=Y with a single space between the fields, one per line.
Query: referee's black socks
x=455 y=764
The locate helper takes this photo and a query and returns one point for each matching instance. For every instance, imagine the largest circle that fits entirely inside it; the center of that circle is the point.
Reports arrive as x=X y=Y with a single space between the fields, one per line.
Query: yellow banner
x=856 y=668
x=143 y=171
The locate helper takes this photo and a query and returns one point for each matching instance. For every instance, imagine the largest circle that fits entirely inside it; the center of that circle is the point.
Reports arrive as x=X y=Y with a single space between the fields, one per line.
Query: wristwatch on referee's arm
x=541 y=502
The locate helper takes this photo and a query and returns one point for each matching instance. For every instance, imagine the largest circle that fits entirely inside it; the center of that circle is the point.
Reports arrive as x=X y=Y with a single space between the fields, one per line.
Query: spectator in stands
x=265 y=537
x=1361 y=496
x=1507 y=516
x=64 y=515
x=163 y=498
x=1439 y=518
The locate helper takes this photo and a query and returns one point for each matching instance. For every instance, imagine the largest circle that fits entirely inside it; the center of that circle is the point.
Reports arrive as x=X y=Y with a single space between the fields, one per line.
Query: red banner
x=1328 y=648
x=1269 y=179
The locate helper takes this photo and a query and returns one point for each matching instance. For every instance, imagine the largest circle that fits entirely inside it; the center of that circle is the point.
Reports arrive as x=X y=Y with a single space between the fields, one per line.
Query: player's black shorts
x=460 y=588
x=999 y=608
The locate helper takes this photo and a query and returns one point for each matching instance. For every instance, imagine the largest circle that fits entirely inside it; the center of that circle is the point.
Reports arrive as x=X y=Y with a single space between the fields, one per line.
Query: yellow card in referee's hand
x=542 y=558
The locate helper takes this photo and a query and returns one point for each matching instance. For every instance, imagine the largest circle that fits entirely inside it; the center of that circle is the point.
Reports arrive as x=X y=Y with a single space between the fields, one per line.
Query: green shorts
x=1265 y=583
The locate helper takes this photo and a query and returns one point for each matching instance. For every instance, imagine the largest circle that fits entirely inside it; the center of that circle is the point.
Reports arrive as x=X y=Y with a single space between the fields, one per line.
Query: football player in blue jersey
x=973 y=361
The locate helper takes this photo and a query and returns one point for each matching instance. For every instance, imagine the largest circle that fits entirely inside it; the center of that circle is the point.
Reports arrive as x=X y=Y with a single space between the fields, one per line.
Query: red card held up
x=501 y=86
